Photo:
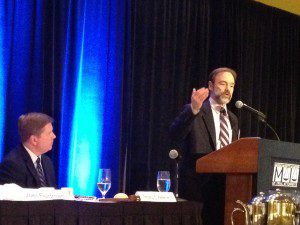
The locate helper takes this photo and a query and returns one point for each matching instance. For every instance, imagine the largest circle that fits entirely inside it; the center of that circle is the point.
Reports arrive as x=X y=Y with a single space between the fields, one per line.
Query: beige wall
x=292 y=6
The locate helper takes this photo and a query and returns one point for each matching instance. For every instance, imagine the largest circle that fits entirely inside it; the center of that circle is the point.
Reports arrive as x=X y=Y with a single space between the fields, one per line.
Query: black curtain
x=174 y=46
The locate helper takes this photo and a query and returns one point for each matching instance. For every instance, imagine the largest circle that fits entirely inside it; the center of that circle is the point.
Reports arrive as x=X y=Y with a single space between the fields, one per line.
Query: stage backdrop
x=65 y=58
x=114 y=74
x=175 y=44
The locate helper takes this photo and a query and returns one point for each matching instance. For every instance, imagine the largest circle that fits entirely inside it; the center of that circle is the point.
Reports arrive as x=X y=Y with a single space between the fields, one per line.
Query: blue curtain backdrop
x=21 y=70
x=65 y=58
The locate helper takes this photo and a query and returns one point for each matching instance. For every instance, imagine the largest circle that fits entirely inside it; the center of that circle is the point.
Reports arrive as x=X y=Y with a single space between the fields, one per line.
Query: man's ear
x=33 y=139
x=210 y=86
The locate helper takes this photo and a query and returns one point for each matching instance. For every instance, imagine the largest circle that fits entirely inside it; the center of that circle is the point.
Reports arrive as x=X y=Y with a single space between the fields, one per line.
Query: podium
x=239 y=161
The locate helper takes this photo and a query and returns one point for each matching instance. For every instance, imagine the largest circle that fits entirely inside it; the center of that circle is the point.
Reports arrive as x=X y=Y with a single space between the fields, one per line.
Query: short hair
x=32 y=124
x=215 y=72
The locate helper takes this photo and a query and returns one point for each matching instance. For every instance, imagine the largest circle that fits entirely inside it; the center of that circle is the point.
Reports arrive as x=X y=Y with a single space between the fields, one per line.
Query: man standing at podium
x=206 y=125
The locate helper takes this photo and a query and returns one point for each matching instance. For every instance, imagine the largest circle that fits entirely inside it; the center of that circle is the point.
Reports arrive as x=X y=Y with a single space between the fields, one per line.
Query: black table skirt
x=86 y=213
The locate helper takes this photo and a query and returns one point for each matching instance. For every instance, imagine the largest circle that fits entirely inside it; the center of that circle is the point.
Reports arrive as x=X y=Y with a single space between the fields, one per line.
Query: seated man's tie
x=40 y=172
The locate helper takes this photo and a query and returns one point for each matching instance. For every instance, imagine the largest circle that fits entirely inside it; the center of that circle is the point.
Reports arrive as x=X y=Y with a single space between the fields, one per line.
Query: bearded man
x=205 y=125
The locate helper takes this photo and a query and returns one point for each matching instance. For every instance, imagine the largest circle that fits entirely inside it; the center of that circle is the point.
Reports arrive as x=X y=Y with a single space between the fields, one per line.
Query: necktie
x=224 y=133
x=40 y=172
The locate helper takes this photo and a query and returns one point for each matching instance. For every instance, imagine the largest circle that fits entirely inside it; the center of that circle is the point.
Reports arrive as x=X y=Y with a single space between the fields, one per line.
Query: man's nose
x=228 y=87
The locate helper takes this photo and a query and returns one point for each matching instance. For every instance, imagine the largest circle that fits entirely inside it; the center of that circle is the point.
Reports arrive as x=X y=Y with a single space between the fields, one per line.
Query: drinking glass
x=104 y=181
x=163 y=181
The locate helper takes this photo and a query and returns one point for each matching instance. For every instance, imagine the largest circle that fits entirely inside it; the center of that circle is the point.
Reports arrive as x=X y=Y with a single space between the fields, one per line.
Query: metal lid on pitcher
x=260 y=198
x=278 y=196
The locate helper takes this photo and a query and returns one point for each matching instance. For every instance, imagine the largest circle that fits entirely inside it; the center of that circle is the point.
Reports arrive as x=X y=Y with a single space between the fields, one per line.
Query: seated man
x=27 y=166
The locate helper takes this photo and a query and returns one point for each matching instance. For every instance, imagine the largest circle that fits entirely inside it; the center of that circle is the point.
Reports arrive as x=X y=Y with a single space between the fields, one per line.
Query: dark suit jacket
x=194 y=136
x=199 y=130
x=17 y=167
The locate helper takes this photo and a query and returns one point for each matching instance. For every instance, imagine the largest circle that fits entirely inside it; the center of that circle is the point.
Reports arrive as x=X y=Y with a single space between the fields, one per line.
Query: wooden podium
x=239 y=162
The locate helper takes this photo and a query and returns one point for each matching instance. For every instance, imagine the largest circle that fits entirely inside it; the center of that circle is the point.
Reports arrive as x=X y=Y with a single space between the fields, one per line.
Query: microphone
x=173 y=154
x=261 y=116
x=240 y=104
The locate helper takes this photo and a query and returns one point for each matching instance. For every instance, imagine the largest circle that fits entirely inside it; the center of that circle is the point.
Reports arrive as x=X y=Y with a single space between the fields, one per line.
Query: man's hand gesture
x=197 y=98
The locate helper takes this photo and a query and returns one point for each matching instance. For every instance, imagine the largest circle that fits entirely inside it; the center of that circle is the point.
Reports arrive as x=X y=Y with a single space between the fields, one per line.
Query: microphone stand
x=176 y=179
x=176 y=186
x=268 y=125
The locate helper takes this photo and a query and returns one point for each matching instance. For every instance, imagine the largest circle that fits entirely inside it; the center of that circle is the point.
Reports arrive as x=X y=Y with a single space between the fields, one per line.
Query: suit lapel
x=46 y=171
x=209 y=121
x=29 y=164
x=234 y=126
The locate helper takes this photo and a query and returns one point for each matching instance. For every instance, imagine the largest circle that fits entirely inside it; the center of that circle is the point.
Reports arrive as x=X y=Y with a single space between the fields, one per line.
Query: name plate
x=13 y=192
x=153 y=196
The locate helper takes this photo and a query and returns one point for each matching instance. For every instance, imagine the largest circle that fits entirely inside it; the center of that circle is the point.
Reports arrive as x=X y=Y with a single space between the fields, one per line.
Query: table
x=60 y=212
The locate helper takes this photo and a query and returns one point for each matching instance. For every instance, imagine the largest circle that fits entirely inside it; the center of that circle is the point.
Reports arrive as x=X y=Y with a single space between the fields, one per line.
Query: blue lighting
x=90 y=115
x=20 y=65
x=2 y=78
x=87 y=43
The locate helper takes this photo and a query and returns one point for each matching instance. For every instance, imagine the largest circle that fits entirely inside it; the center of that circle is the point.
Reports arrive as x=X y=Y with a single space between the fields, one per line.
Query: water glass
x=163 y=181
x=104 y=181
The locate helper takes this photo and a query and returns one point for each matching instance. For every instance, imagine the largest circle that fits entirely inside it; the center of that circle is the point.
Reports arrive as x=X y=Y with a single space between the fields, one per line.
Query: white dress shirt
x=33 y=157
x=216 y=114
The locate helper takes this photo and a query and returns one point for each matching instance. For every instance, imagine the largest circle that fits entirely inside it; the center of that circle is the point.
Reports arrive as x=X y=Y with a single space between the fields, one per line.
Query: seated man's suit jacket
x=17 y=167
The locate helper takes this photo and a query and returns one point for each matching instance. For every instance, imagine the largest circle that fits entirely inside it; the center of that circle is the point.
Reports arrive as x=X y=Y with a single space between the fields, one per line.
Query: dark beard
x=223 y=98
